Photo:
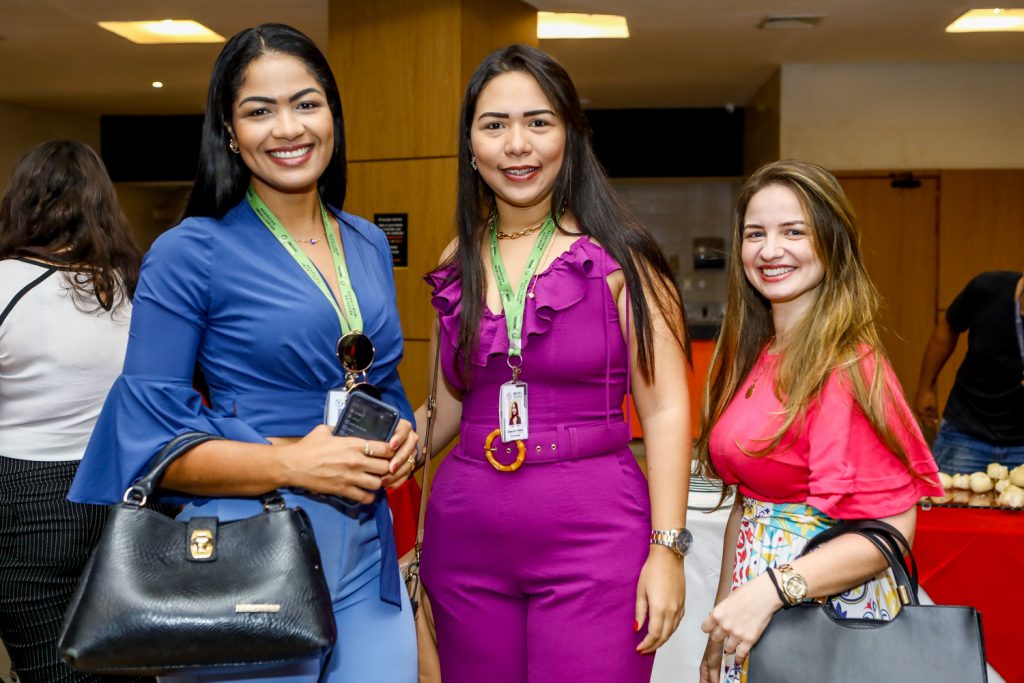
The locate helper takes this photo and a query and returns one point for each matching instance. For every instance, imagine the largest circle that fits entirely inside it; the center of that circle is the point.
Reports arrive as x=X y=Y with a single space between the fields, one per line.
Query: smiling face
x=282 y=124
x=519 y=142
x=778 y=252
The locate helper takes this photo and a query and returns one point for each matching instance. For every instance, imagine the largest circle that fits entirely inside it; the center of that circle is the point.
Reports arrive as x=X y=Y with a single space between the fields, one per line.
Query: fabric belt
x=564 y=442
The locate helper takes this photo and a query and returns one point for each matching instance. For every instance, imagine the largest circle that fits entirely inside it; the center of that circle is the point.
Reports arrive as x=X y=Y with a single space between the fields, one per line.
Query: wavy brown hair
x=837 y=334
x=60 y=206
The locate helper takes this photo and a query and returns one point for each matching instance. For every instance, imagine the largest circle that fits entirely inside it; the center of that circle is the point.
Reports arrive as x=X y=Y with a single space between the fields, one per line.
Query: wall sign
x=396 y=228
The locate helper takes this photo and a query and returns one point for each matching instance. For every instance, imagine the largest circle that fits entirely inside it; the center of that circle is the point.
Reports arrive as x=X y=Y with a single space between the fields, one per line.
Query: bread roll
x=997 y=471
x=962 y=481
x=1017 y=476
x=980 y=482
x=1012 y=497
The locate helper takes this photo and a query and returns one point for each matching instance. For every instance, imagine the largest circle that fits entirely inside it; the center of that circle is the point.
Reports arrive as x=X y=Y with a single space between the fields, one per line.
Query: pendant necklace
x=753 y=385
x=761 y=363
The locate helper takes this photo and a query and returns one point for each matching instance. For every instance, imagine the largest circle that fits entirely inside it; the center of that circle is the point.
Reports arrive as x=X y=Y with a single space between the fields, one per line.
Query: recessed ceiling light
x=568 y=25
x=157 y=84
x=166 y=31
x=996 y=19
x=791 y=21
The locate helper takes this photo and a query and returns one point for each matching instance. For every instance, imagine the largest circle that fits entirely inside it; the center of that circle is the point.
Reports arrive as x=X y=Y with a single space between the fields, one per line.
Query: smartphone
x=367 y=417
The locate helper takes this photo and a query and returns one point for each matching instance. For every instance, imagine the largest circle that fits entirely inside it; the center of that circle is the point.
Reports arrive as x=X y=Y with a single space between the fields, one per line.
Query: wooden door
x=899 y=241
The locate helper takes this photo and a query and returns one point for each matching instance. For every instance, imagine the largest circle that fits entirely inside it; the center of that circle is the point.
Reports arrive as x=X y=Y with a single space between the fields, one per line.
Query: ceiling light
x=158 y=84
x=166 y=31
x=998 y=19
x=791 y=21
x=567 y=25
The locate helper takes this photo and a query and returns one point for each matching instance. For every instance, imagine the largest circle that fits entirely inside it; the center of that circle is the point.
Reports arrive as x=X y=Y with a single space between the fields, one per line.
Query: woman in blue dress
x=255 y=287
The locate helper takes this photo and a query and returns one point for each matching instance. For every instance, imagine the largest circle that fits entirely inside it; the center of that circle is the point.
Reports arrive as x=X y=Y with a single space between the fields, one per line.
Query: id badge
x=336 y=399
x=512 y=412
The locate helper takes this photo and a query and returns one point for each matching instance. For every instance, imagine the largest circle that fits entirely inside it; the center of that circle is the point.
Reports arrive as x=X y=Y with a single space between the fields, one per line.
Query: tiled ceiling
x=682 y=52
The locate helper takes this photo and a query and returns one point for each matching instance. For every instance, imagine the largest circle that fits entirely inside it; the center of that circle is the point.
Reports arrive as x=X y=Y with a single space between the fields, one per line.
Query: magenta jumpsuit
x=532 y=574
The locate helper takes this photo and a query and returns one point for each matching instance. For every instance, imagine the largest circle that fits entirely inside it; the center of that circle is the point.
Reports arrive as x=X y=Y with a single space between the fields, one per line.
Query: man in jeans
x=984 y=417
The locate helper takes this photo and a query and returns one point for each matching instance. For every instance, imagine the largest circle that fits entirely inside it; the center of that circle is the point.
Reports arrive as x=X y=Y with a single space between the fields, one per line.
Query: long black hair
x=61 y=206
x=581 y=187
x=222 y=177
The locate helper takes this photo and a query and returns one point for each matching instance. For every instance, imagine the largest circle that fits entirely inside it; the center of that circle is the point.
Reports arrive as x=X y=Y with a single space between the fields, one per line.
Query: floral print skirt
x=772 y=534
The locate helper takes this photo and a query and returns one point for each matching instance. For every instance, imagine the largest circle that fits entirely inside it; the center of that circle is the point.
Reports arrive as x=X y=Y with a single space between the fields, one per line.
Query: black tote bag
x=810 y=643
x=159 y=595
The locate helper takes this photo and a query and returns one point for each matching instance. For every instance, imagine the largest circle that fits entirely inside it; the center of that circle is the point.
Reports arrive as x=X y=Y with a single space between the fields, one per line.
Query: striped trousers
x=44 y=544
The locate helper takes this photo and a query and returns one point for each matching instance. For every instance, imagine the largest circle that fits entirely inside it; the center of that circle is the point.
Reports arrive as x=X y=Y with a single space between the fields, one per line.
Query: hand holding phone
x=367 y=417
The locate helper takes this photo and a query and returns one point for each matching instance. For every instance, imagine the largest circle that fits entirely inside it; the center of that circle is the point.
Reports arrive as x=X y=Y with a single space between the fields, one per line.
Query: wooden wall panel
x=415 y=370
x=900 y=247
x=482 y=33
x=982 y=219
x=398 y=69
x=424 y=189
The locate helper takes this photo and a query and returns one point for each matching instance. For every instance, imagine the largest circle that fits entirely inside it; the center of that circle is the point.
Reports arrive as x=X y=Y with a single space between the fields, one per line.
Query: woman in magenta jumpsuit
x=538 y=556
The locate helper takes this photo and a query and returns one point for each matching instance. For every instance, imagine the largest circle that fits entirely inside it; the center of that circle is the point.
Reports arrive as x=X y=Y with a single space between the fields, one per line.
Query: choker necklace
x=522 y=233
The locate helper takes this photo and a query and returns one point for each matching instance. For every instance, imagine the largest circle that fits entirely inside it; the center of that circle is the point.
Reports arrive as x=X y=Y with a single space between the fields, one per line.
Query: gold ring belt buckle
x=489 y=450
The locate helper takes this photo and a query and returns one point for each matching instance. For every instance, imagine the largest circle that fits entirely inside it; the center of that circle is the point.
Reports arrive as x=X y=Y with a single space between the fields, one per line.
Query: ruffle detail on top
x=561 y=286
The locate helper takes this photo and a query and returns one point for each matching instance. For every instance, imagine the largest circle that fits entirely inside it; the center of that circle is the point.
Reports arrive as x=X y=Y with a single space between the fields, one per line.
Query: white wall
x=903 y=116
x=22 y=128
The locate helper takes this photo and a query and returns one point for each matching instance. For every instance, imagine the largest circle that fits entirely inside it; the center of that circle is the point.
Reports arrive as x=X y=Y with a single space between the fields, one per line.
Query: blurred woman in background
x=68 y=267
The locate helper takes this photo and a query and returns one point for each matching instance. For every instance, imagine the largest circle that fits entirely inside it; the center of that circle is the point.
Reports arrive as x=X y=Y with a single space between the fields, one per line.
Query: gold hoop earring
x=233 y=146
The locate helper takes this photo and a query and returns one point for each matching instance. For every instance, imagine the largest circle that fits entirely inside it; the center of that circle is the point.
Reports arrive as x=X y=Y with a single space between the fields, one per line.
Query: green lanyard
x=514 y=303
x=348 y=295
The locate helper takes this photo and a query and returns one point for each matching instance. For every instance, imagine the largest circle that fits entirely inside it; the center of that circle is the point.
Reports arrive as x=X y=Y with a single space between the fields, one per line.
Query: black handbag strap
x=50 y=270
x=890 y=542
x=145 y=485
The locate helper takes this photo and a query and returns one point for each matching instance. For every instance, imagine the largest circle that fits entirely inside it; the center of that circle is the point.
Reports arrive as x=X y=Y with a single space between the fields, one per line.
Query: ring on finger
x=367 y=450
x=411 y=460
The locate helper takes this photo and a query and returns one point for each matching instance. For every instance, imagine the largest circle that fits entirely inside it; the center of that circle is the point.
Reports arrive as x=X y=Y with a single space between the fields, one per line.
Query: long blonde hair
x=836 y=334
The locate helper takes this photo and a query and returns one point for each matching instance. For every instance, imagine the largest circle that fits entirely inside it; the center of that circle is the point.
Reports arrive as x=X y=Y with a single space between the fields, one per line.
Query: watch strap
x=786 y=604
x=789 y=573
x=670 y=539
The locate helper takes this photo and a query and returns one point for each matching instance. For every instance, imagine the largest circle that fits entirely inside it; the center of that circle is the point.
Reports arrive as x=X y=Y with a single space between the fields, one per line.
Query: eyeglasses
x=356 y=354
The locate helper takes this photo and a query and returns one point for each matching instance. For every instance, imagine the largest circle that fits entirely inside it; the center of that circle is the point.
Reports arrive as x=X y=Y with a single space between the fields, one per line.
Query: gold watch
x=793 y=585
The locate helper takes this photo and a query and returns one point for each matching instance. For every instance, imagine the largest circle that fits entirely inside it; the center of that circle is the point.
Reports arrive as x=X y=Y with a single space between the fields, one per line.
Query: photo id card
x=333 y=405
x=512 y=412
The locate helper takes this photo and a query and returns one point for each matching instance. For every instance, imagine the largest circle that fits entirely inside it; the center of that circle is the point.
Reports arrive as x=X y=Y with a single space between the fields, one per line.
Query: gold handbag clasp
x=200 y=545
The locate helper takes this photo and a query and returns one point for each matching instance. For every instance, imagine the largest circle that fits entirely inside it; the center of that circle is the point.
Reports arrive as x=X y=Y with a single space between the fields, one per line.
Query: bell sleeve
x=154 y=400
x=853 y=474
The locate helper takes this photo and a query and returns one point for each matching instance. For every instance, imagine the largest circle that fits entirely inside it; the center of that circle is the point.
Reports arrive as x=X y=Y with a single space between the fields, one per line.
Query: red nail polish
x=636 y=626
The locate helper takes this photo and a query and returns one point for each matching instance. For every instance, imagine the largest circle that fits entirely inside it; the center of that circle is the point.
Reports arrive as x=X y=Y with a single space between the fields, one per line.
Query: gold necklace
x=761 y=363
x=533 y=285
x=516 y=235
x=753 y=385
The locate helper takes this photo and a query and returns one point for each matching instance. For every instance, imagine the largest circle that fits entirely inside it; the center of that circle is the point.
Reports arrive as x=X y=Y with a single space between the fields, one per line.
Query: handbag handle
x=147 y=482
x=428 y=438
x=889 y=541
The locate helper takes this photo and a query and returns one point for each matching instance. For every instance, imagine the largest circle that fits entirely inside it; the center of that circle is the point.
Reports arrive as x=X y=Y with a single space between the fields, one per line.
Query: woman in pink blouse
x=804 y=415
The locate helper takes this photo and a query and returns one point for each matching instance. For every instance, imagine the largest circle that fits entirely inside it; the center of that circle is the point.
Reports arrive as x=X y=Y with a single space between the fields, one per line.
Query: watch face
x=683 y=542
x=796 y=587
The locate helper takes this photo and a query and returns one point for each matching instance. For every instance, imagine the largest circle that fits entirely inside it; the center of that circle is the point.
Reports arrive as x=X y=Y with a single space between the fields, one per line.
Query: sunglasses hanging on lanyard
x=354 y=349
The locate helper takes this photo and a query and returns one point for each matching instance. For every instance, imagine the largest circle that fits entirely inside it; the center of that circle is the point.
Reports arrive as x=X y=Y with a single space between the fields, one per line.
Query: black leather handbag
x=810 y=643
x=159 y=595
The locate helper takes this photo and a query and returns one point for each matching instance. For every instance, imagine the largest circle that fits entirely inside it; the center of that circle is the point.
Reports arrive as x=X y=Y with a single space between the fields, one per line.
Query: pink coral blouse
x=833 y=460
